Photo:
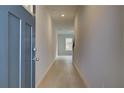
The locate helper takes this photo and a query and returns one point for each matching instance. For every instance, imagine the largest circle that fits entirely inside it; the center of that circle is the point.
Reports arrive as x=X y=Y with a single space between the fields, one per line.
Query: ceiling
x=56 y=11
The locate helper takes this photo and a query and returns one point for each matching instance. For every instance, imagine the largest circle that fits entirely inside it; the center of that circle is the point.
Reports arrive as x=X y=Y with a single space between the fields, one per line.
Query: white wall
x=98 y=37
x=44 y=42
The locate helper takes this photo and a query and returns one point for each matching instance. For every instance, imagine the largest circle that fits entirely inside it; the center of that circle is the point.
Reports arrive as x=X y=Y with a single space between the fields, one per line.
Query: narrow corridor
x=38 y=42
x=62 y=75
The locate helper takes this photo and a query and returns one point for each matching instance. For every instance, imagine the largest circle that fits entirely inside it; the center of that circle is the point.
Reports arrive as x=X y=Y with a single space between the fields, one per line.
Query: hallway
x=38 y=42
x=62 y=75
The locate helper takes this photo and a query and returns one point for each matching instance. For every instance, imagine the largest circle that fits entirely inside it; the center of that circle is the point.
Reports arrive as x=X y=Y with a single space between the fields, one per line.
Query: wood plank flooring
x=62 y=75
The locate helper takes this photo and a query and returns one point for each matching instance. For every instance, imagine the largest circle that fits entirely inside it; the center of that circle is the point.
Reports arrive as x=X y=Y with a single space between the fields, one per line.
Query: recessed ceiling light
x=62 y=15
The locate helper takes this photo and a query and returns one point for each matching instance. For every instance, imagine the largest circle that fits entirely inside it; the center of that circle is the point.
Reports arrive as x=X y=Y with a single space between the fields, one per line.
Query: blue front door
x=17 y=69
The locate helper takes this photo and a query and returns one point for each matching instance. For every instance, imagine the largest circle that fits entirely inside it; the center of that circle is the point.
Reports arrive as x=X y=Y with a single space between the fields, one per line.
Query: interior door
x=16 y=47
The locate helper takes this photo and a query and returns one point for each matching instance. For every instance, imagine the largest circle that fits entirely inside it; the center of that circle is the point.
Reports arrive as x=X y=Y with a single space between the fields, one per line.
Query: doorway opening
x=64 y=46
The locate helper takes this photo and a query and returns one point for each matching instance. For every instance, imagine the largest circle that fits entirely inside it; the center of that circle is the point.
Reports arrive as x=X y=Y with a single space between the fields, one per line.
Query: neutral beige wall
x=44 y=42
x=76 y=36
x=122 y=46
x=98 y=37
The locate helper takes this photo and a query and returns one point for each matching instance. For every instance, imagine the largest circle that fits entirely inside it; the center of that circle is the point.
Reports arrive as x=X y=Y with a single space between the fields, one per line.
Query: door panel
x=3 y=49
x=13 y=50
x=16 y=32
x=28 y=55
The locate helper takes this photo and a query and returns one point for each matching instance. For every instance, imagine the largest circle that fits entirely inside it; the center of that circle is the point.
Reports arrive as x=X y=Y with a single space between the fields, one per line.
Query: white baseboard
x=81 y=76
x=37 y=85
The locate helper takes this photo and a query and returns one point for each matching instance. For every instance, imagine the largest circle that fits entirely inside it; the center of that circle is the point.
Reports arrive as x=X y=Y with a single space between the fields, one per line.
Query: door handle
x=35 y=59
x=34 y=49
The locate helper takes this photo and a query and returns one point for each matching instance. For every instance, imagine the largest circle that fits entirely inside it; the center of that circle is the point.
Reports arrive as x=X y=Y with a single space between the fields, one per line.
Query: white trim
x=56 y=44
x=20 y=34
x=47 y=70
x=81 y=76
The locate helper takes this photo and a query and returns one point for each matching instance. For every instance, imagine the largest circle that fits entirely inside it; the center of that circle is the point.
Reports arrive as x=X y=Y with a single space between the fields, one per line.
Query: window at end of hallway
x=68 y=44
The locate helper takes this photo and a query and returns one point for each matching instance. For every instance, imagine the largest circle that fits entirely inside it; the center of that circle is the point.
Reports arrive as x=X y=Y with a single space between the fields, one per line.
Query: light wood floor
x=62 y=75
